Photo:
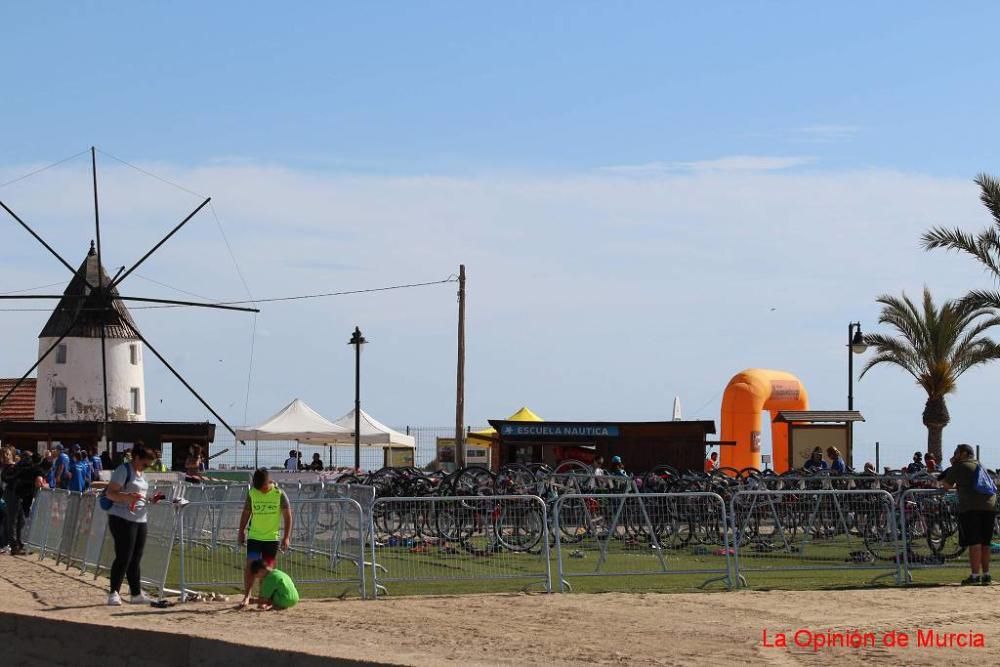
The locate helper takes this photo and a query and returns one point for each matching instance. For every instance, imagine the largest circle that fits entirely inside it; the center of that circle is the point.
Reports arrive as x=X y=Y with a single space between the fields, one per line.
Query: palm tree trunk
x=936 y=417
x=935 y=434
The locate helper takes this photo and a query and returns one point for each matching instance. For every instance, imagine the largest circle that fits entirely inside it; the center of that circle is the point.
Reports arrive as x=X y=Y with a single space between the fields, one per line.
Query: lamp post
x=855 y=345
x=357 y=340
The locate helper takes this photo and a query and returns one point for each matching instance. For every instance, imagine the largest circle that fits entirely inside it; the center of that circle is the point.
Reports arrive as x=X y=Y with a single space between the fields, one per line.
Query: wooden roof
x=820 y=416
x=20 y=404
x=80 y=300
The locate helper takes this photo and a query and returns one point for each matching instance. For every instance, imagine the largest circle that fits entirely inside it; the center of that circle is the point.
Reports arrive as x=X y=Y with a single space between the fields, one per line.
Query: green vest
x=265 y=519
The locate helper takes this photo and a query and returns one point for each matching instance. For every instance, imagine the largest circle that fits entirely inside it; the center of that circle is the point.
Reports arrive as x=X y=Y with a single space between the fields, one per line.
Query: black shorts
x=260 y=550
x=975 y=527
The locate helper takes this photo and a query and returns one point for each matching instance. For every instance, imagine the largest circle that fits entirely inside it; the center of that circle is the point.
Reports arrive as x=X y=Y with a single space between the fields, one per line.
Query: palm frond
x=989 y=194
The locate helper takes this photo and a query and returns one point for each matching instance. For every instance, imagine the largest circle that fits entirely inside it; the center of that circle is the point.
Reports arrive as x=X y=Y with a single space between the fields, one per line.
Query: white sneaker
x=114 y=600
x=141 y=598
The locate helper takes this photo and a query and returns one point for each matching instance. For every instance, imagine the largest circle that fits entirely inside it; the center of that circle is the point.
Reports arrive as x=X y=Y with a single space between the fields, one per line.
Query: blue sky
x=417 y=87
x=634 y=187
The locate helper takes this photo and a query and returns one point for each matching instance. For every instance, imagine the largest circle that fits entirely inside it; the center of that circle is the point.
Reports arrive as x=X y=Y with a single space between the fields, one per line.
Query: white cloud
x=728 y=163
x=590 y=295
x=825 y=134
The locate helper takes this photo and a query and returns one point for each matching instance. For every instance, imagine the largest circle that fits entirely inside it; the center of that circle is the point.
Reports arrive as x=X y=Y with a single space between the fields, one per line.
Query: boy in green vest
x=277 y=590
x=266 y=509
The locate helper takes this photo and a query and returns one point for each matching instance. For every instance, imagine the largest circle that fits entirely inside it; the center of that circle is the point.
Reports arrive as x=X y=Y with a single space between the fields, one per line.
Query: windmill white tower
x=71 y=381
x=90 y=351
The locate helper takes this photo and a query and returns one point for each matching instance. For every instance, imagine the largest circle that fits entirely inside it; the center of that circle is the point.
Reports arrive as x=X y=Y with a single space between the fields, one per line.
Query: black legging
x=130 y=540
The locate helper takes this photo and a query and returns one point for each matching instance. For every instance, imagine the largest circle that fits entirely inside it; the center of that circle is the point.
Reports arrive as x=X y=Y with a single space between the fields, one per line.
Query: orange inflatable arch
x=747 y=395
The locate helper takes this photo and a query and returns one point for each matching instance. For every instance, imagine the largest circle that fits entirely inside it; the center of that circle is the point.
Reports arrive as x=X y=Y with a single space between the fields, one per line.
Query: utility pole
x=460 y=381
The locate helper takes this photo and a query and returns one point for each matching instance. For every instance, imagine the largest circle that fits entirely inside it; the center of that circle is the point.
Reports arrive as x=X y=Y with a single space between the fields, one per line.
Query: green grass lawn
x=824 y=564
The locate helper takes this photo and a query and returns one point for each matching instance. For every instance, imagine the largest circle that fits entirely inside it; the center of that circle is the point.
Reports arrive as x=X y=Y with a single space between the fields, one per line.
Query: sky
x=648 y=197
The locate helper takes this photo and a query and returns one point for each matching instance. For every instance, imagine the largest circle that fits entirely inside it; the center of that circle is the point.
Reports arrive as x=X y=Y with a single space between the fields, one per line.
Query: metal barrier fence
x=433 y=541
x=630 y=535
x=38 y=521
x=327 y=548
x=929 y=525
x=787 y=531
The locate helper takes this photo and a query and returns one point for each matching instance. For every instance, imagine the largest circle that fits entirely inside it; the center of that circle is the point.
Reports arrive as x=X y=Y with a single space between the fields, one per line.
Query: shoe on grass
x=141 y=598
x=986 y=580
x=972 y=580
x=114 y=600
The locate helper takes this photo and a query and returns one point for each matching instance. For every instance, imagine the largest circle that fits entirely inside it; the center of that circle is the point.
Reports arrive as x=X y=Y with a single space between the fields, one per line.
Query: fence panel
x=94 y=557
x=325 y=556
x=38 y=519
x=929 y=519
x=621 y=537
x=460 y=543
x=75 y=534
x=58 y=510
x=781 y=532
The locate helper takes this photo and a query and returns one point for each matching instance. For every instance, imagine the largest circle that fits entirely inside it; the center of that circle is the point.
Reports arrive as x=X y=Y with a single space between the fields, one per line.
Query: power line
x=45 y=168
x=151 y=174
x=30 y=289
x=450 y=279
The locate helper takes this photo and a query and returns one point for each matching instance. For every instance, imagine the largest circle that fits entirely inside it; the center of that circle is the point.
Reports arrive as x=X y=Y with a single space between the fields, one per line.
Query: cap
x=59 y=446
x=616 y=459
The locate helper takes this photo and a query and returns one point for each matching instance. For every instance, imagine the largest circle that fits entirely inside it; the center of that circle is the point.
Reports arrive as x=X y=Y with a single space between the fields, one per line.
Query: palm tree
x=936 y=346
x=984 y=247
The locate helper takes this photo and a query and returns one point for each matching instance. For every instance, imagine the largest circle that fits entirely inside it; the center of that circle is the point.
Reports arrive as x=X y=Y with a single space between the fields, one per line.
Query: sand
x=539 y=629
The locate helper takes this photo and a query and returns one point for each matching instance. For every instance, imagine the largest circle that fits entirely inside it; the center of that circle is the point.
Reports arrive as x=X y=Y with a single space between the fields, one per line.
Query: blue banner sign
x=559 y=430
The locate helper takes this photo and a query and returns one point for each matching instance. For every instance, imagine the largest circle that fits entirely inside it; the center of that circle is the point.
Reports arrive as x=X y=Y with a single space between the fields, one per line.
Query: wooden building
x=642 y=445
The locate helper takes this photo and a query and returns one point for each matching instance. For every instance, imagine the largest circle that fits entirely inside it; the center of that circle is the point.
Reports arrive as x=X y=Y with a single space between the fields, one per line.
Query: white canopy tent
x=374 y=433
x=297 y=421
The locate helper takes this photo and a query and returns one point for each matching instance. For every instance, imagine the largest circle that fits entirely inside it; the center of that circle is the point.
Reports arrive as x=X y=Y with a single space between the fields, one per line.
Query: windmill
x=93 y=299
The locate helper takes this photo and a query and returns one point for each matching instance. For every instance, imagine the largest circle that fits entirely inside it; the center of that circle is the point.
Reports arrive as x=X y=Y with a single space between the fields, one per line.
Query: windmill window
x=133 y=354
x=61 y=353
x=136 y=403
x=59 y=400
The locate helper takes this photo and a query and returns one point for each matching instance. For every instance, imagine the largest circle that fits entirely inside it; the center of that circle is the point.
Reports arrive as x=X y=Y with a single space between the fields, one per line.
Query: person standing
x=617 y=467
x=599 y=470
x=96 y=464
x=60 y=474
x=192 y=465
x=837 y=463
x=265 y=509
x=977 y=502
x=81 y=473
x=917 y=465
x=815 y=462
x=24 y=480
x=127 y=523
x=292 y=462
x=712 y=462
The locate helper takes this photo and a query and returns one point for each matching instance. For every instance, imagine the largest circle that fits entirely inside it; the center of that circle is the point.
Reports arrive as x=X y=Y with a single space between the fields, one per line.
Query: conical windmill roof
x=80 y=299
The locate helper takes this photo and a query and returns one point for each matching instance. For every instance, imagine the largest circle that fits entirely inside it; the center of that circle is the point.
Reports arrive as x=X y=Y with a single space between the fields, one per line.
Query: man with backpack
x=977 y=501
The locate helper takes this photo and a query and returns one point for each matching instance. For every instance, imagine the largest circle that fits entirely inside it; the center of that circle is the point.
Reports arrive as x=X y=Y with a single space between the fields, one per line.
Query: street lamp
x=357 y=340
x=855 y=345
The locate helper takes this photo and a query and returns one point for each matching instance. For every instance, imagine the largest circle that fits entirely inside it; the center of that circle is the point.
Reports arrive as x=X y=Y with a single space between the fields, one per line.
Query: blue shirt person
x=80 y=476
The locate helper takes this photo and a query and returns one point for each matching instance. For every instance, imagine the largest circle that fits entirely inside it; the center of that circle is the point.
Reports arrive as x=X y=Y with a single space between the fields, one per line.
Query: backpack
x=984 y=483
x=105 y=502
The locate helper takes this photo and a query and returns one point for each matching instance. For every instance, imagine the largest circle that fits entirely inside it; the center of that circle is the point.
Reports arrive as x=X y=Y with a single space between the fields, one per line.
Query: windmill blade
x=40 y=240
x=40 y=359
x=174 y=302
x=186 y=385
x=162 y=241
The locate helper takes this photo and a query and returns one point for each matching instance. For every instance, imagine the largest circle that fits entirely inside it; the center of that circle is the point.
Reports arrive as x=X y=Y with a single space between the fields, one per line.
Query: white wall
x=82 y=378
